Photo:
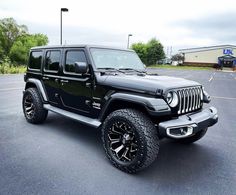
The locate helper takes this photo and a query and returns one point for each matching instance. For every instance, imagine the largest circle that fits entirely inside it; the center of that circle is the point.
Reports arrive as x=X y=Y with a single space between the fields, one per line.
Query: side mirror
x=81 y=67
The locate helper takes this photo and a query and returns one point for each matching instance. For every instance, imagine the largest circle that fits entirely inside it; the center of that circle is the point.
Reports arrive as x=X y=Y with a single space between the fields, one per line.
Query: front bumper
x=189 y=124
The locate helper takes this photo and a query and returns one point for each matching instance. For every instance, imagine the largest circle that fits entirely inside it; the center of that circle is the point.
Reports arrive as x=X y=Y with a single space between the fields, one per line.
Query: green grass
x=6 y=68
x=180 y=67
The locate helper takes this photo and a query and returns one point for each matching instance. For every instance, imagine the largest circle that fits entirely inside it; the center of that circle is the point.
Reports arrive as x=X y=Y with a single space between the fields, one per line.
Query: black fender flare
x=154 y=106
x=40 y=88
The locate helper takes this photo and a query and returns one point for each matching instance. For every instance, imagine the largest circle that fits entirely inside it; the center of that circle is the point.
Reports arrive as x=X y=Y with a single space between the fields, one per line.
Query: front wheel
x=130 y=140
x=194 y=138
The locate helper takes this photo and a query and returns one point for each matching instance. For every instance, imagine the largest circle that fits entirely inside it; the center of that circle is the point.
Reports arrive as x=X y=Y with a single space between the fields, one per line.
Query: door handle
x=64 y=81
x=45 y=78
x=88 y=84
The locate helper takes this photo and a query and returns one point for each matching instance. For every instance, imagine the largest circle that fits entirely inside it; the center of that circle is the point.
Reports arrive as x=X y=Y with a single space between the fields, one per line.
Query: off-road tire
x=39 y=113
x=192 y=139
x=146 y=132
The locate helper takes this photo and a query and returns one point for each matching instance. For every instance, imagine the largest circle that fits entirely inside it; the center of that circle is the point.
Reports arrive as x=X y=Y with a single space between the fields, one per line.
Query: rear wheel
x=33 y=106
x=194 y=138
x=130 y=140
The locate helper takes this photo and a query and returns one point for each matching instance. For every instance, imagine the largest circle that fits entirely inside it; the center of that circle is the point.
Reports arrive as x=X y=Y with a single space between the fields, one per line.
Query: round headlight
x=172 y=99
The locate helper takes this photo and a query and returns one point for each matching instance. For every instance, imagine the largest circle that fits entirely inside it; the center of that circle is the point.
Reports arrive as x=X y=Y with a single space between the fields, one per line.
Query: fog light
x=180 y=132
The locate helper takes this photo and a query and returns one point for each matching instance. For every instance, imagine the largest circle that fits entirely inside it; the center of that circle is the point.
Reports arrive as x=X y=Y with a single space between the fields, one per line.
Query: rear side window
x=71 y=58
x=35 y=60
x=52 y=61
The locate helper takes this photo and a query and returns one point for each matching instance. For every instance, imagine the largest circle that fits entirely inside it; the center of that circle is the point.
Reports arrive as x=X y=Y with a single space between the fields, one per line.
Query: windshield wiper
x=139 y=71
x=109 y=68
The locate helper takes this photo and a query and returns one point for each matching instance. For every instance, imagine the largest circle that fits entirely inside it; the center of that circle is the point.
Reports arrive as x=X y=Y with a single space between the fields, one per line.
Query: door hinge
x=88 y=102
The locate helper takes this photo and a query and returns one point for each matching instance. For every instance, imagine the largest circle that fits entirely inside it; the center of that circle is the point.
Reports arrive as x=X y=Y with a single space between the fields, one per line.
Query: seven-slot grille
x=189 y=99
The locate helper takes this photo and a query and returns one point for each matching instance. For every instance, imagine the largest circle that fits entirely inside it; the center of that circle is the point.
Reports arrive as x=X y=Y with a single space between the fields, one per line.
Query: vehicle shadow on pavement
x=176 y=163
x=182 y=163
x=75 y=131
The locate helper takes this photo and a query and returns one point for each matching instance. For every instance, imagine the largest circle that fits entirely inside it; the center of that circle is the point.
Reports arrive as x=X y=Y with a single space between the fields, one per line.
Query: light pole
x=62 y=10
x=129 y=35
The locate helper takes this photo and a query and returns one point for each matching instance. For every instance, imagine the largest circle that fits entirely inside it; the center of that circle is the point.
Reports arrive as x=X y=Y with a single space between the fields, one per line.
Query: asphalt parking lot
x=62 y=156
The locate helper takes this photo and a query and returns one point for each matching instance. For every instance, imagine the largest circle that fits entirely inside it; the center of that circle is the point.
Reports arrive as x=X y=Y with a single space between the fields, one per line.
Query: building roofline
x=196 y=49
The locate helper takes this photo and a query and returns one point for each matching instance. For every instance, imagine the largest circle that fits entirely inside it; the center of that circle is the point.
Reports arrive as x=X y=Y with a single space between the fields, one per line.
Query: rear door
x=51 y=67
x=75 y=88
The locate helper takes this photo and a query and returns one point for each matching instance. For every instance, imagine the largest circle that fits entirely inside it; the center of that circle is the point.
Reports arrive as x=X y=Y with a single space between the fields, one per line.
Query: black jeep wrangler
x=110 y=89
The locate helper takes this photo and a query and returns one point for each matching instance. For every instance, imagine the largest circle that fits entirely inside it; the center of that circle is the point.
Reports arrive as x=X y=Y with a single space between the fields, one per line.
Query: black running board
x=83 y=119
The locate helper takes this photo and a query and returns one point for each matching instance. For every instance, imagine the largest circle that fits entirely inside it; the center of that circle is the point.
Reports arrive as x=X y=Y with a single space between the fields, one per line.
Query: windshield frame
x=115 y=49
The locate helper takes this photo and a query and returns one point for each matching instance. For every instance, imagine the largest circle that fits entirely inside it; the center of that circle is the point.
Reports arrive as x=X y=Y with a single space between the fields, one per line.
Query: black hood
x=146 y=84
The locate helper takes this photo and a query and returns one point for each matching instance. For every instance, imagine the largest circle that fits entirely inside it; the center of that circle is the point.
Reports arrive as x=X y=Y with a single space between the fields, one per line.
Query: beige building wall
x=210 y=56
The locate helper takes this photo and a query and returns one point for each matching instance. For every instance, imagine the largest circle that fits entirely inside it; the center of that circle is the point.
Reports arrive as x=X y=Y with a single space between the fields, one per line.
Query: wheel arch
x=148 y=105
x=35 y=83
x=117 y=104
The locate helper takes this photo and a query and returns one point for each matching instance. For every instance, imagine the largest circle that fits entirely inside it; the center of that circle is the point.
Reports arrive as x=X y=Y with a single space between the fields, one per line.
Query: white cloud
x=109 y=21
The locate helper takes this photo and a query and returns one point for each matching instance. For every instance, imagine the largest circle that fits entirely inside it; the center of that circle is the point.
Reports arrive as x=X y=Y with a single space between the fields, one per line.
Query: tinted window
x=71 y=58
x=52 y=60
x=35 y=59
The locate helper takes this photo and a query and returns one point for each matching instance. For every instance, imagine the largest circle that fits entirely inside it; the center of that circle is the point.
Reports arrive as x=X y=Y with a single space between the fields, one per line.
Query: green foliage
x=150 y=52
x=19 y=52
x=7 y=68
x=178 y=57
x=141 y=50
x=155 y=51
x=9 y=32
x=15 y=43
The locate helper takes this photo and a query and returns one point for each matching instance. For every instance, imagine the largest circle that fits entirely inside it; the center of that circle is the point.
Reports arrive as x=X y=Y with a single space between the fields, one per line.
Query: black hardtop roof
x=77 y=46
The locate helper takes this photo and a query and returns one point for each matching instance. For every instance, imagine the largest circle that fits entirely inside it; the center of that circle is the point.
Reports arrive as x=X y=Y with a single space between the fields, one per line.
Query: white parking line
x=11 y=89
x=211 y=79
x=227 y=98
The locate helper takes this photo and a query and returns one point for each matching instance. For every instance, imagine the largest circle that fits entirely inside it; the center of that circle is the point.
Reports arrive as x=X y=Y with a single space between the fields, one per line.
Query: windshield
x=117 y=59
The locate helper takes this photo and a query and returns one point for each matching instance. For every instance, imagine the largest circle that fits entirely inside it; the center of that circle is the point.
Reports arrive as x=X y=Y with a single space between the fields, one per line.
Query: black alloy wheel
x=29 y=106
x=122 y=141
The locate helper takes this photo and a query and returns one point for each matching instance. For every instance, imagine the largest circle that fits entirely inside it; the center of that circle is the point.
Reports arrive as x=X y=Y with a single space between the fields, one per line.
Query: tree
x=178 y=57
x=155 y=51
x=150 y=52
x=19 y=52
x=141 y=50
x=15 y=41
x=9 y=32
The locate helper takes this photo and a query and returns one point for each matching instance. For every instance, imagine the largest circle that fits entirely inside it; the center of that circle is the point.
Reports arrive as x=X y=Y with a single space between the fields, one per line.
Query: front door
x=50 y=75
x=75 y=88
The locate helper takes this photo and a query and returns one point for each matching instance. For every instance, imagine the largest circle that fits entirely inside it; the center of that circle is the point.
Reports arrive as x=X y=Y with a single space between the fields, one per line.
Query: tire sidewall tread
x=40 y=114
x=148 y=139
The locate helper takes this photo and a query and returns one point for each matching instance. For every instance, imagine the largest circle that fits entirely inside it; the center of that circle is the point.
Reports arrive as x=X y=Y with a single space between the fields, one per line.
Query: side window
x=72 y=57
x=52 y=60
x=35 y=60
